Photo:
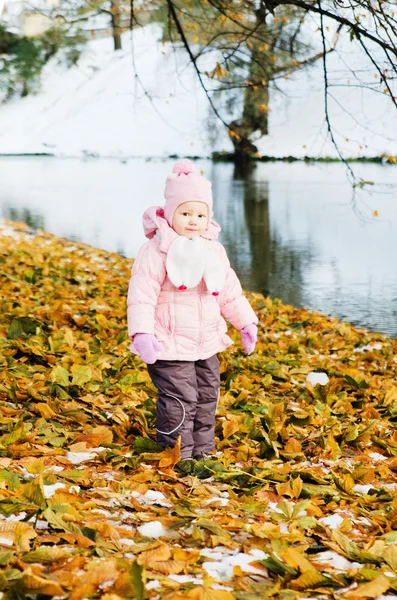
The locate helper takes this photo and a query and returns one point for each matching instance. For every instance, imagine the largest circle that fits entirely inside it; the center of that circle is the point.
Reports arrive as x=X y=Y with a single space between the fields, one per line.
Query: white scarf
x=190 y=261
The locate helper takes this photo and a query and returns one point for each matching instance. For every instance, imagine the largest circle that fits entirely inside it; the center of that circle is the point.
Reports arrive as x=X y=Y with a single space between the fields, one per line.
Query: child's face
x=190 y=219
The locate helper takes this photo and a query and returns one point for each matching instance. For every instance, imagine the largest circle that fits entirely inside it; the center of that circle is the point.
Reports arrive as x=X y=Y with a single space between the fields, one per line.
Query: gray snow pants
x=188 y=394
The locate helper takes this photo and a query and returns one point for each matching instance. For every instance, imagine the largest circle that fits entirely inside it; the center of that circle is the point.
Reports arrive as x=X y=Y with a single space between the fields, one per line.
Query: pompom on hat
x=185 y=184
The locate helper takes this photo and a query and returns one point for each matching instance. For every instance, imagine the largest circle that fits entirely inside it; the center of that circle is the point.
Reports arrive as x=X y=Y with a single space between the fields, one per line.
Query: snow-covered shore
x=101 y=108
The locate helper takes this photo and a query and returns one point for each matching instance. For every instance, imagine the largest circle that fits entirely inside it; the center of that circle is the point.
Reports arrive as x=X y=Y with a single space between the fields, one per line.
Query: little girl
x=181 y=287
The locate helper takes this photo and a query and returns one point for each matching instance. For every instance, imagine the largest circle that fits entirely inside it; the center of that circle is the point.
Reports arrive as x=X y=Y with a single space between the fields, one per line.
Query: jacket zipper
x=169 y=324
x=200 y=315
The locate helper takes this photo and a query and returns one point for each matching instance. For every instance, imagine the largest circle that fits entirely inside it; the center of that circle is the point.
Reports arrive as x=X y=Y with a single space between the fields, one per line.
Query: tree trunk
x=116 y=22
x=256 y=98
x=25 y=89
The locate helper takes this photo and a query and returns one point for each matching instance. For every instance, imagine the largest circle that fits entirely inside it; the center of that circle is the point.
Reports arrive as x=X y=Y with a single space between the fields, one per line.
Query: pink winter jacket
x=187 y=323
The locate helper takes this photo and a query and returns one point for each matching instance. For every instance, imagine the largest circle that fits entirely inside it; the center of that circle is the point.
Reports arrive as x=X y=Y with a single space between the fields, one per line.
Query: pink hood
x=154 y=220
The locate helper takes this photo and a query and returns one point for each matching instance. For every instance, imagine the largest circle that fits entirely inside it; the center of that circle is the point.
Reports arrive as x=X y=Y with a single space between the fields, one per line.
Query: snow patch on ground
x=362 y=489
x=338 y=562
x=225 y=560
x=332 y=521
x=153 y=529
x=78 y=457
x=49 y=490
x=317 y=378
x=151 y=497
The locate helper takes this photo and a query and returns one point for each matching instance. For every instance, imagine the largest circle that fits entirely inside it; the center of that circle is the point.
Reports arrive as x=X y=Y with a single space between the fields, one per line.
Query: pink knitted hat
x=185 y=184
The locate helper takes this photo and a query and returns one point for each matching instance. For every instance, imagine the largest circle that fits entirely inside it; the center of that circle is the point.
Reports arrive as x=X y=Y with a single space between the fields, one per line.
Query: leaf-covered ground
x=300 y=500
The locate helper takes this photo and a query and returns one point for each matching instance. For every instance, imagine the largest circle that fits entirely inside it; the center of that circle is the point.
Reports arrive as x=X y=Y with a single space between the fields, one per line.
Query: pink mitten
x=249 y=335
x=147 y=347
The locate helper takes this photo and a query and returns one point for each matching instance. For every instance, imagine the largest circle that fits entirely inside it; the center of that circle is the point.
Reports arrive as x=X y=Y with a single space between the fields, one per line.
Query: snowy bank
x=100 y=107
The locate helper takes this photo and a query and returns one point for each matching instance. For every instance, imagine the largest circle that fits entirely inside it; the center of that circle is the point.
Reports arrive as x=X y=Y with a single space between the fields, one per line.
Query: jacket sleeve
x=147 y=276
x=234 y=306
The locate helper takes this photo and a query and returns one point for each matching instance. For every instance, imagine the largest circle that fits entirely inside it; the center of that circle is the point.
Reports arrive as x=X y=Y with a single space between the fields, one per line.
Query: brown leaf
x=371 y=589
x=44 y=410
x=40 y=585
x=167 y=567
x=293 y=446
x=97 y=436
x=284 y=489
x=297 y=487
x=171 y=456
x=204 y=593
x=160 y=552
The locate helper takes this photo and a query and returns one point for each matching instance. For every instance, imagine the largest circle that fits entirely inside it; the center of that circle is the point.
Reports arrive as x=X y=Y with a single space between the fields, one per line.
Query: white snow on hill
x=100 y=107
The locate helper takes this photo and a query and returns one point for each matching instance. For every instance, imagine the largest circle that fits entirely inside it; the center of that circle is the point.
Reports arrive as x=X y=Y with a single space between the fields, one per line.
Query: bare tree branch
x=327 y=118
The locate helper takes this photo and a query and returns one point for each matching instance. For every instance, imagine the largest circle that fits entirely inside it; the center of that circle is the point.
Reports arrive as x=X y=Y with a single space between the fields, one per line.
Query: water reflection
x=262 y=260
x=23 y=215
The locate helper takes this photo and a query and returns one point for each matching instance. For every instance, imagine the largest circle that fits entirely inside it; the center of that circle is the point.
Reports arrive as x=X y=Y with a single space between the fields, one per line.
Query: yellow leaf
x=23 y=533
x=297 y=486
x=293 y=446
x=81 y=376
x=295 y=559
x=60 y=375
x=344 y=482
x=284 y=489
x=102 y=321
x=44 y=410
x=171 y=456
x=34 y=492
x=391 y=158
x=363 y=474
x=390 y=396
x=309 y=579
x=375 y=213
x=101 y=571
x=234 y=134
x=160 y=552
x=97 y=436
x=69 y=338
x=188 y=556
x=230 y=427
x=167 y=567
x=205 y=593
x=390 y=556
x=45 y=555
x=14 y=436
x=371 y=589
x=39 y=585
x=36 y=467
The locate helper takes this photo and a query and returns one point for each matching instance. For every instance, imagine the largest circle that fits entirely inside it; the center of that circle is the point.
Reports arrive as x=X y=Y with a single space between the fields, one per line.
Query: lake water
x=291 y=231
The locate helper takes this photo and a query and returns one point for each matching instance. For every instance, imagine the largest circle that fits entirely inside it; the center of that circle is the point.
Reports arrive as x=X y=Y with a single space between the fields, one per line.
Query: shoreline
x=215 y=157
x=299 y=498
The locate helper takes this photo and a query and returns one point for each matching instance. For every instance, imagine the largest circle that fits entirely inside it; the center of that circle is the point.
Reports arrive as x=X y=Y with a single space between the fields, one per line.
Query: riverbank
x=382 y=159
x=137 y=102
x=299 y=502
